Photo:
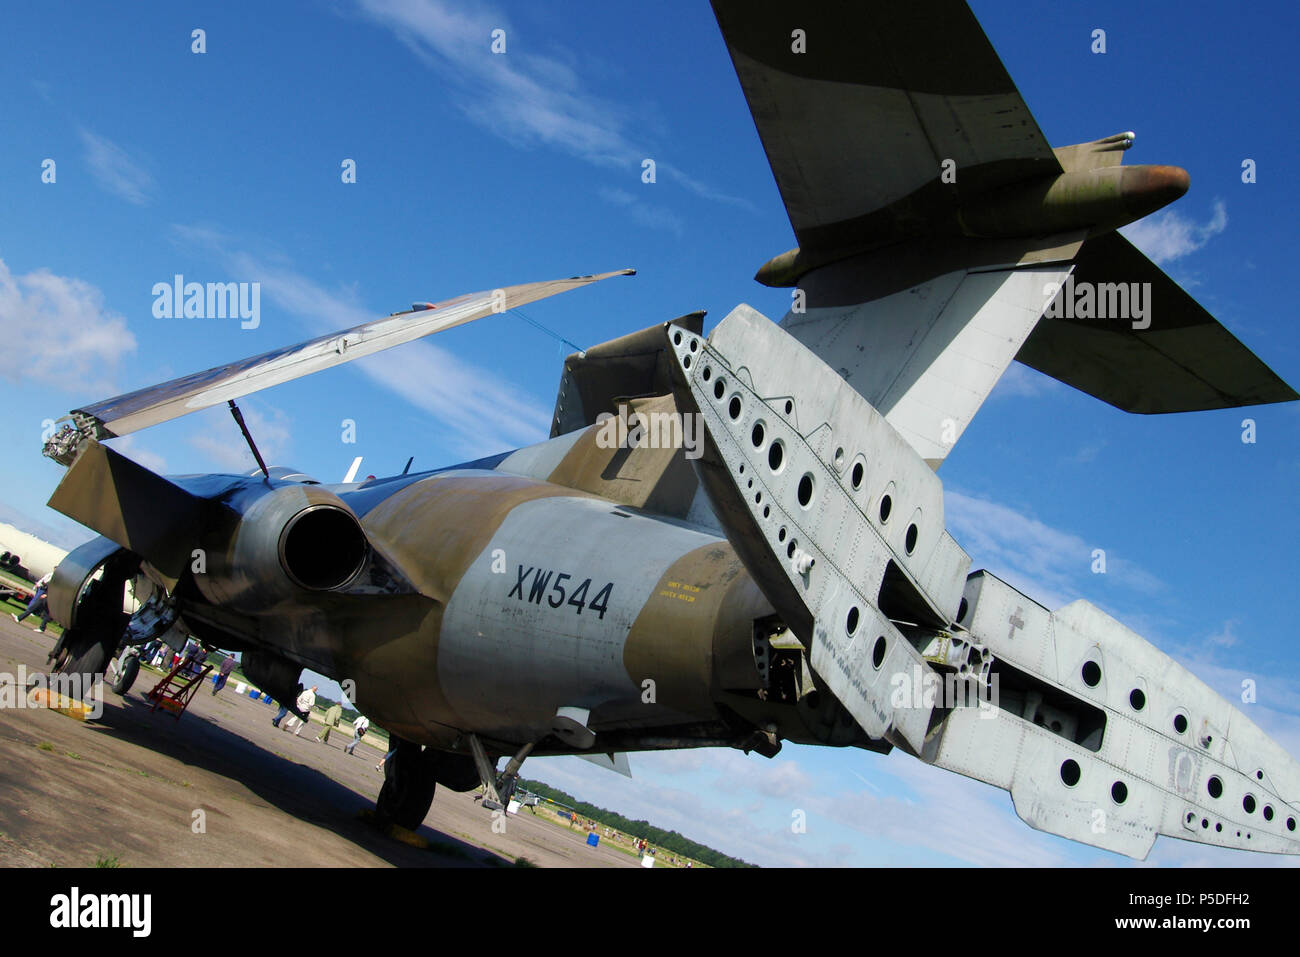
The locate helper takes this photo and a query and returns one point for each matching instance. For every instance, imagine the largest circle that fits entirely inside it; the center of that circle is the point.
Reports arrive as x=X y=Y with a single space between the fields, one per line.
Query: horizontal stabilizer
x=132 y=506
x=858 y=120
x=1162 y=353
x=159 y=403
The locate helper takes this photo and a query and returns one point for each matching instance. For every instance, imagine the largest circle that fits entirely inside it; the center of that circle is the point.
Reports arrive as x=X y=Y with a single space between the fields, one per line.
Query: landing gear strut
x=86 y=647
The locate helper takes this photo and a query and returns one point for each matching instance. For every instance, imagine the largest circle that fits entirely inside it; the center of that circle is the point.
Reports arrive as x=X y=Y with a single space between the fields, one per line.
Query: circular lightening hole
x=805 y=491
x=1248 y=804
x=733 y=407
x=1268 y=812
x=852 y=624
x=1137 y=700
x=856 y=477
x=756 y=436
x=1214 y=786
x=719 y=388
x=1091 y=673
x=1119 y=792
x=878 y=652
x=1070 y=772
x=1180 y=723
x=910 y=541
x=776 y=456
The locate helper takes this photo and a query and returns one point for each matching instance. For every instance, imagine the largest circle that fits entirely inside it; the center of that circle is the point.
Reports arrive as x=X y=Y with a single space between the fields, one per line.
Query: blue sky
x=477 y=170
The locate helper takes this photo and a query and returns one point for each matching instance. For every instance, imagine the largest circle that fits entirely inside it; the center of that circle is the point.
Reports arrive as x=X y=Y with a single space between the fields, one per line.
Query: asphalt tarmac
x=222 y=787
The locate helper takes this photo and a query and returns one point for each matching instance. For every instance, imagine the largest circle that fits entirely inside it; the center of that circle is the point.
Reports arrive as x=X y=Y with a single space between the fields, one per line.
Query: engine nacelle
x=280 y=543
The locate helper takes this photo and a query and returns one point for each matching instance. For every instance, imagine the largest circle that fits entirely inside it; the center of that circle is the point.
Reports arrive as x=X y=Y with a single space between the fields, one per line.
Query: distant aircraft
x=26 y=554
x=605 y=591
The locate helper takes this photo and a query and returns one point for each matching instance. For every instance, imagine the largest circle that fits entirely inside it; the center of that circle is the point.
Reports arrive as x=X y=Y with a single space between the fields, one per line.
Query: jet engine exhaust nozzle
x=323 y=548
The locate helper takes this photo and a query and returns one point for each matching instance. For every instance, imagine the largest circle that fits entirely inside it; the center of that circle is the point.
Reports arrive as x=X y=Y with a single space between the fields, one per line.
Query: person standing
x=332 y=718
x=223 y=673
x=306 y=701
x=359 y=729
x=38 y=604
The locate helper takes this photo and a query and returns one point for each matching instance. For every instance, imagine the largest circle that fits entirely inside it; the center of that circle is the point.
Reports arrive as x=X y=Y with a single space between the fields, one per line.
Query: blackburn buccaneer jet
x=785 y=574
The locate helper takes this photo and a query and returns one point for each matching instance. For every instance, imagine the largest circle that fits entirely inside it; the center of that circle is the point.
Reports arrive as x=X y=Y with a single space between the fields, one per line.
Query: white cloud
x=114 y=170
x=129 y=445
x=59 y=332
x=482 y=413
x=271 y=428
x=524 y=98
x=1020 y=380
x=1169 y=235
x=654 y=217
x=1226 y=636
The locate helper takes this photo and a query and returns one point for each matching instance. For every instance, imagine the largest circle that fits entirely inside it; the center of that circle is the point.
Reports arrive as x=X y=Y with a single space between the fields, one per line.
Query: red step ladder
x=174 y=693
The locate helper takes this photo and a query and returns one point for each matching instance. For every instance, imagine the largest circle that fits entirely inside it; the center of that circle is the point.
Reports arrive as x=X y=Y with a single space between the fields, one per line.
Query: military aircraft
x=738 y=540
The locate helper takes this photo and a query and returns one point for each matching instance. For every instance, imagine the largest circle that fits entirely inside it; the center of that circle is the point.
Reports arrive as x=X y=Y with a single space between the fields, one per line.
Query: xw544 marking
x=549 y=586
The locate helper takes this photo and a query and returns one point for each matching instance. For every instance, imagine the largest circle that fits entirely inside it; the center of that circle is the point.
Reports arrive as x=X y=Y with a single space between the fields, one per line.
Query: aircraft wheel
x=126 y=674
x=88 y=659
x=409 y=783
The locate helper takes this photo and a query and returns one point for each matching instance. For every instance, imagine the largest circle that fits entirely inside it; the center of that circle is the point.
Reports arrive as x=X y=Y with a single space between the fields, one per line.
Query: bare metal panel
x=800 y=479
x=1172 y=757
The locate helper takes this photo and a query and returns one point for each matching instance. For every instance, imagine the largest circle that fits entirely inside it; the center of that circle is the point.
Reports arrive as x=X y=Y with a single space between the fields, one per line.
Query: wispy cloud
x=1020 y=380
x=271 y=428
x=115 y=170
x=525 y=98
x=654 y=217
x=60 y=331
x=1169 y=235
x=1044 y=562
x=1226 y=636
x=481 y=412
x=131 y=447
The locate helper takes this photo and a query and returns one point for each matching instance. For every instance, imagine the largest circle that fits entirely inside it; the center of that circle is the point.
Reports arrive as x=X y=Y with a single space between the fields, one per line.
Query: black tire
x=126 y=675
x=59 y=653
x=88 y=660
x=409 y=784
